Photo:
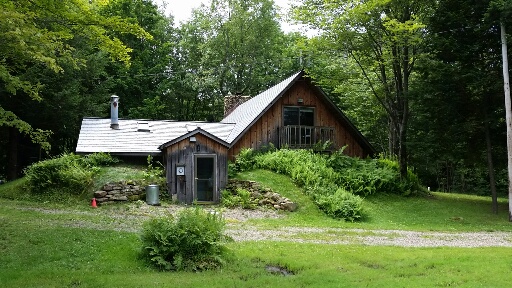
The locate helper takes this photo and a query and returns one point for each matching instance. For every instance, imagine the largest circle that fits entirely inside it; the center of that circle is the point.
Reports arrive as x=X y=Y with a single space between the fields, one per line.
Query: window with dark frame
x=300 y=122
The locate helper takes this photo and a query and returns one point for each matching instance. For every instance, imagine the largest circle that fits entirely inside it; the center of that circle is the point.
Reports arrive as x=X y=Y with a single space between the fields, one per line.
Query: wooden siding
x=183 y=153
x=267 y=128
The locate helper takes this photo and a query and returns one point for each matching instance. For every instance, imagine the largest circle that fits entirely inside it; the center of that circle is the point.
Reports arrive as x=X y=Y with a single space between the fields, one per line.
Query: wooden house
x=293 y=113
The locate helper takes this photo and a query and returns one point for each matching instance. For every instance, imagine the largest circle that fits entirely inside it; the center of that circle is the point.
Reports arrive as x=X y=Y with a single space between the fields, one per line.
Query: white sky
x=182 y=10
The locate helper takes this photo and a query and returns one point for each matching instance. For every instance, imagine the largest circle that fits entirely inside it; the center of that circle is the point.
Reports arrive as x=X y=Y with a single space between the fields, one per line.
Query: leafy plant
x=193 y=241
x=154 y=173
x=99 y=159
x=245 y=160
x=239 y=198
x=341 y=205
x=66 y=173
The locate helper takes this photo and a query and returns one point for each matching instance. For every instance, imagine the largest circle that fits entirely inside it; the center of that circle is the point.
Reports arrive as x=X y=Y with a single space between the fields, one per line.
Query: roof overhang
x=196 y=131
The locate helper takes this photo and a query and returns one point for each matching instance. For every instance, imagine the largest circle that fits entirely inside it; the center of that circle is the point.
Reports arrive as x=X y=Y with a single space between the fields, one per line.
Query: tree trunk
x=490 y=165
x=508 y=114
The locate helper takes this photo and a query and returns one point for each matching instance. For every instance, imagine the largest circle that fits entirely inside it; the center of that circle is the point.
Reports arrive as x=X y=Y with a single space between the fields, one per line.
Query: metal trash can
x=152 y=194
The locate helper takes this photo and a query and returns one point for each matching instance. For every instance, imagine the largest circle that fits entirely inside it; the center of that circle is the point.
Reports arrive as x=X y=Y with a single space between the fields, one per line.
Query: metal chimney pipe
x=114 y=112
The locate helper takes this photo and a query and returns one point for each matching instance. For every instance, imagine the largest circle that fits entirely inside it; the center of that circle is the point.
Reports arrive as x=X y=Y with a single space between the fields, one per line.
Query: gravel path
x=130 y=218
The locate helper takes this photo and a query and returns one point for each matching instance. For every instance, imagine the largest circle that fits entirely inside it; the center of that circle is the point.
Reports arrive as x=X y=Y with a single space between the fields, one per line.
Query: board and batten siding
x=183 y=153
x=267 y=128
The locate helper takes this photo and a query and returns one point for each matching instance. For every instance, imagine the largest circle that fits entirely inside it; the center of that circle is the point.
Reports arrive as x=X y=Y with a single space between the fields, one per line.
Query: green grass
x=43 y=249
x=33 y=254
x=438 y=212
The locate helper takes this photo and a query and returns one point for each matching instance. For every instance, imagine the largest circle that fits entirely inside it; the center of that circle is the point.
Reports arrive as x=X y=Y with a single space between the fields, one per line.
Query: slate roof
x=97 y=136
x=251 y=110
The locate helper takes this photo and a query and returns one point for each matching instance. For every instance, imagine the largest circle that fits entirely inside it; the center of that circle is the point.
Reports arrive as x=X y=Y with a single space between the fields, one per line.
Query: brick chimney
x=233 y=101
x=114 y=112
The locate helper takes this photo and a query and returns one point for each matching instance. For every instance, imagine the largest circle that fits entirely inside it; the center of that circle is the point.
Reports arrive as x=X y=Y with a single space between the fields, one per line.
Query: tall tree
x=241 y=51
x=384 y=38
x=503 y=9
x=141 y=84
x=40 y=33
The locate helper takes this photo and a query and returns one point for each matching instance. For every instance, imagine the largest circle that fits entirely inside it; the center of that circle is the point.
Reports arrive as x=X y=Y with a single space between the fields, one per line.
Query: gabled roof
x=198 y=130
x=250 y=111
x=245 y=115
x=97 y=136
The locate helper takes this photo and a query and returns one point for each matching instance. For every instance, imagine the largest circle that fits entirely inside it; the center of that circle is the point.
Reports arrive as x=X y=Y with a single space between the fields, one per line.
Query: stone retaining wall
x=264 y=196
x=120 y=192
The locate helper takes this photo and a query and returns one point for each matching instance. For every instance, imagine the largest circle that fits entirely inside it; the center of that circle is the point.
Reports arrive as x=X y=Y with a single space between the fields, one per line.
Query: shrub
x=193 y=241
x=99 y=159
x=154 y=173
x=68 y=173
x=245 y=160
x=239 y=198
x=341 y=205
x=370 y=176
x=65 y=174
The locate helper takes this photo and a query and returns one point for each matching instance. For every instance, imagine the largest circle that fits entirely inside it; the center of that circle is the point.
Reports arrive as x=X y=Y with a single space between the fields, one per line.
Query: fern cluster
x=193 y=241
x=335 y=182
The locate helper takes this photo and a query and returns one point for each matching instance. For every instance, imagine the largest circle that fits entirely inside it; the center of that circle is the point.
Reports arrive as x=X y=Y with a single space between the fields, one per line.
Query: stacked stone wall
x=264 y=196
x=122 y=191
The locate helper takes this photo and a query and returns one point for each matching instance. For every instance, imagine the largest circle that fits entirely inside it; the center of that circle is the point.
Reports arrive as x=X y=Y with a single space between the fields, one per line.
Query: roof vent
x=143 y=127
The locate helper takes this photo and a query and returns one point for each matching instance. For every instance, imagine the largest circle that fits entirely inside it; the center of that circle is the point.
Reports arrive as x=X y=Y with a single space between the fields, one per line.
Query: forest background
x=422 y=81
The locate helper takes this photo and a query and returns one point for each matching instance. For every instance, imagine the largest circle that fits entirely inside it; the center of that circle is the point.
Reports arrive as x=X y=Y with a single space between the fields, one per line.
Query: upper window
x=303 y=116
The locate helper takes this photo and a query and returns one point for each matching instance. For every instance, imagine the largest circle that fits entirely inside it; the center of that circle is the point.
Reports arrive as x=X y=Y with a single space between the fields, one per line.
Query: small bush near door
x=193 y=241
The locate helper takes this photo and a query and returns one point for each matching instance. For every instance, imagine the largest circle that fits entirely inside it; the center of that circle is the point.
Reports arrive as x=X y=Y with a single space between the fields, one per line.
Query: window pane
x=307 y=117
x=291 y=116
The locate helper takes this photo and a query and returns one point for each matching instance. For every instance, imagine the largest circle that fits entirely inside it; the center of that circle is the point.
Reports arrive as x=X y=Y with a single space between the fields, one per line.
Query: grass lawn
x=38 y=250
x=438 y=212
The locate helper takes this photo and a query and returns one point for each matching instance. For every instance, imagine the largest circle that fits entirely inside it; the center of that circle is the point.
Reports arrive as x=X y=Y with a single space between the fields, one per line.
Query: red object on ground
x=93 y=203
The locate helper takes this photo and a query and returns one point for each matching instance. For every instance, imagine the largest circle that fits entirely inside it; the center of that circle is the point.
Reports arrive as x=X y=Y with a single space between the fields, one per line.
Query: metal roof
x=97 y=136
x=133 y=137
x=250 y=111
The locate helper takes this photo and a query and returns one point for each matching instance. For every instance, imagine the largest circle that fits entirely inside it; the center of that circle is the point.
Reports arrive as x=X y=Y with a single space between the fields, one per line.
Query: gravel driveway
x=130 y=218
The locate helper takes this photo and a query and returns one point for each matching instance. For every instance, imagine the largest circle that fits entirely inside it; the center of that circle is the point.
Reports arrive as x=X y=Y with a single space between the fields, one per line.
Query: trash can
x=152 y=194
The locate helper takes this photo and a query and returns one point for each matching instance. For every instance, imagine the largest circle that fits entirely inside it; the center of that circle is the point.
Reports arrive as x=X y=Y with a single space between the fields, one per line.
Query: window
x=303 y=116
x=298 y=126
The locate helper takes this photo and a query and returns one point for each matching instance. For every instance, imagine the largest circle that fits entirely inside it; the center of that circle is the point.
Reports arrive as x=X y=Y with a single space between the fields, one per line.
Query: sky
x=182 y=9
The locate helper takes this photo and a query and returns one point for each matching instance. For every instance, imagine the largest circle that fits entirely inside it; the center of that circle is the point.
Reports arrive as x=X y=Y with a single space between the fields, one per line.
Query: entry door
x=204 y=177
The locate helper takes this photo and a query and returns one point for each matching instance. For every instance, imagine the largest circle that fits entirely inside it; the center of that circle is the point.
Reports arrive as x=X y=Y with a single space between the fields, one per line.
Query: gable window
x=301 y=116
x=298 y=126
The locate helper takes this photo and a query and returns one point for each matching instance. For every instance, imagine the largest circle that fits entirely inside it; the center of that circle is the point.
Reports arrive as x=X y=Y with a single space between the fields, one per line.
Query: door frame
x=214 y=178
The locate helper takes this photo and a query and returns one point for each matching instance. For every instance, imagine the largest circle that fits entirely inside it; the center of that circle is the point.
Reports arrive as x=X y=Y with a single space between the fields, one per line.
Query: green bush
x=322 y=177
x=194 y=241
x=154 y=173
x=65 y=174
x=245 y=160
x=370 y=176
x=68 y=173
x=341 y=205
x=99 y=159
x=239 y=198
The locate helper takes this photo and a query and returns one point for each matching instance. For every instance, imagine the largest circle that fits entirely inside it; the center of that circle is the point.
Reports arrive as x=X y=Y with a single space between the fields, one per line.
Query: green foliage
x=239 y=198
x=68 y=173
x=99 y=159
x=245 y=160
x=192 y=241
x=332 y=181
x=341 y=205
x=371 y=176
x=154 y=173
x=65 y=174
